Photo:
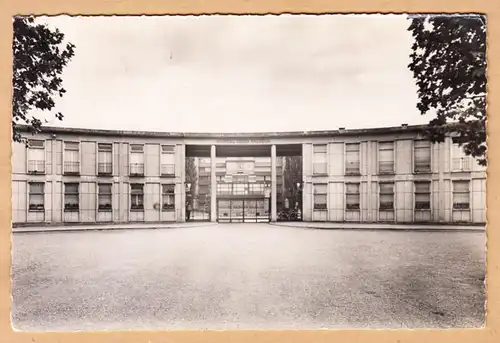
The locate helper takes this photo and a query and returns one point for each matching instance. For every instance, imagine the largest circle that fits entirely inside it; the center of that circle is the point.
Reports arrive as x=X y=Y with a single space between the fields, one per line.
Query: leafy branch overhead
x=448 y=61
x=39 y=57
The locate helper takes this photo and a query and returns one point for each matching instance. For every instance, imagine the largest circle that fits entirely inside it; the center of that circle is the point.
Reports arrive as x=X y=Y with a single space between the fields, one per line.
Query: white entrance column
x=213 y=185
x=273 y=183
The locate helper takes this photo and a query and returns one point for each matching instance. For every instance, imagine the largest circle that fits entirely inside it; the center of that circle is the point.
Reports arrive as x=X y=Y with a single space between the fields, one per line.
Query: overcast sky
x=237 y=73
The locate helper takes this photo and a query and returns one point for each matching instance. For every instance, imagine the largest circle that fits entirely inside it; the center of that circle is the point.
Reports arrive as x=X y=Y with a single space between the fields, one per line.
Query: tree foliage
x=39 y=57
x=292 y=174
x=448 y=61
x=191 y=174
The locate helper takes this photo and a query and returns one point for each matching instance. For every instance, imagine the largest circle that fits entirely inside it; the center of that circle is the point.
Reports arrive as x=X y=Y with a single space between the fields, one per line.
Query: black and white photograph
x=249 y=172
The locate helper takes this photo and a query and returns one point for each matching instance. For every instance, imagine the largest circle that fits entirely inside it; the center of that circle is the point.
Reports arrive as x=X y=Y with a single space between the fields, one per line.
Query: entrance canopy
x=242 y=150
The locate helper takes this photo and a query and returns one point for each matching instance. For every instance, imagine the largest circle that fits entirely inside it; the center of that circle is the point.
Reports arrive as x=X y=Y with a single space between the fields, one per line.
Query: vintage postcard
x=224 y=172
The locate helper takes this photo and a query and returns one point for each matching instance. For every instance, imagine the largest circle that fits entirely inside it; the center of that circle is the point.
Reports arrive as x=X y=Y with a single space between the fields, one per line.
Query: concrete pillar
x=273 y=183
x=182 y=173
x=213 y=185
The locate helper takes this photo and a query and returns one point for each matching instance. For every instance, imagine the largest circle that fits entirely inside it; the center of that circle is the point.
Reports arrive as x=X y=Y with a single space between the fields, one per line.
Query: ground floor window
x=136 y=196
x=320 y=193
x=352 y=196
x=36 y=196
x=71 y=197
x=386 y=196
x=168 y=197
x=105 y=197
x=461 y=195
x=422 y=195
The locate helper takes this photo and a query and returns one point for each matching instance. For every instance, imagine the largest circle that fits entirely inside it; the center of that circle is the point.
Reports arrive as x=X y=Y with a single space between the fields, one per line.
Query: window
x=352 y=196
x=320 y=192
x=320 y=160
x=71 y=158
x=137 y=196
x=386 y=196
x=240 y=189
x=204 y=179
x=168 y=197
x=460 y=161
x=257 y=188
x=240 y=179
x=461 y=195
x=71 y=197
x=386 y=157
x=168 y=160
x=136 y=159
x=104 y=197
x=422 y=156
x=36 y=156
x=36 y=196
x=422 y=195
x=224 y=188
x=105 y=159
x=352 y=159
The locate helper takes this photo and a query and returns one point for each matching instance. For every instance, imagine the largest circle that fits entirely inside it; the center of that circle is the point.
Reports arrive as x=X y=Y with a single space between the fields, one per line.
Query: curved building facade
x=392 y=175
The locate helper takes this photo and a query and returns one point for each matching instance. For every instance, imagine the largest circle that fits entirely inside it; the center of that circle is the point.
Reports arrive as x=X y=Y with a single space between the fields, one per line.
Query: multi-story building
x=372 y=175
x=236 y=176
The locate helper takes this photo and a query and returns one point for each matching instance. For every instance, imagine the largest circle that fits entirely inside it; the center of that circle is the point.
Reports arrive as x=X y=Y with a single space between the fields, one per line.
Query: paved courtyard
x=247 y=276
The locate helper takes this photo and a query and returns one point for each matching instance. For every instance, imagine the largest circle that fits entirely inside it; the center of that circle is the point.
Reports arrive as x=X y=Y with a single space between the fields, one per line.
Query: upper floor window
x=422 y=156
x=36 y=156
x=352 y=158
x=104 y=158
x=71 y=158
x=167 y=163
x=320 y=159
x=136 y=159
x=459 y=160
x=386 y=157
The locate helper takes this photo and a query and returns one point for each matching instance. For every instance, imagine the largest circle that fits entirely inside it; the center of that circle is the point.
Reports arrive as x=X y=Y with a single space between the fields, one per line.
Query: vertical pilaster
x=213 y=184
x=273 y=183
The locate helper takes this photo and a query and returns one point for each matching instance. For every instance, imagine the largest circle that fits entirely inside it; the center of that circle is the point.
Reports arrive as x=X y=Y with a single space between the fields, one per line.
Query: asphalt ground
x=247 y=276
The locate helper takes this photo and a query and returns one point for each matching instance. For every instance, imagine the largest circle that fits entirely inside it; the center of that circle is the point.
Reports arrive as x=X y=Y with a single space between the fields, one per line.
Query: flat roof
x=238 y=135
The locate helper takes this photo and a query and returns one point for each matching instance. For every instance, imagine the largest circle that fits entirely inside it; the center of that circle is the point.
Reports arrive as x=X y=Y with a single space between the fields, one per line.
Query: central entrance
x=243 y=210
x=238 y=182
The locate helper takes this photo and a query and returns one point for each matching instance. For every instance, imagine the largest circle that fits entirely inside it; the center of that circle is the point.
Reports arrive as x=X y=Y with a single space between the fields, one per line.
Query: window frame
x=358 y=171
x=469 y=184
x=314 y=146
x=324 y=206
x=393 y=170
x=36 y=208
x=354 y=209
x=132 y=207
x=79 y=158
x=414 y=162
x=72 y=207
x=415 y=192
x=102 y=151
x=29 y=160
x=380 y=208
x=99 y=194
x=169 y=207
x=140 y=165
